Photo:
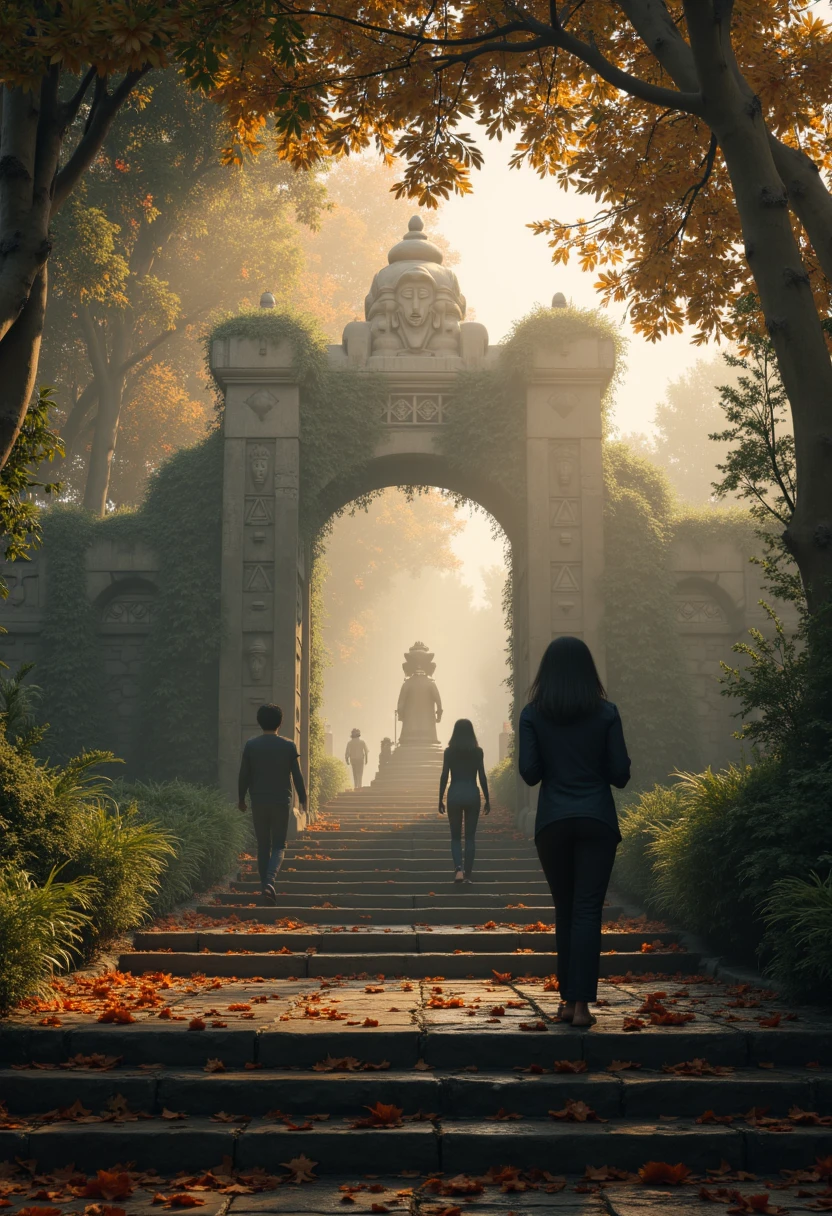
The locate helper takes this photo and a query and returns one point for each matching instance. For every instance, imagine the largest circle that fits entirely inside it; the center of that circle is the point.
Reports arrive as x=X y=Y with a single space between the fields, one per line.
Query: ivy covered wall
x=175 y=726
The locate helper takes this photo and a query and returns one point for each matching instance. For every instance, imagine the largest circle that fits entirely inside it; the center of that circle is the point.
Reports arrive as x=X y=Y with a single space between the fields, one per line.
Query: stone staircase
x=381 y=1019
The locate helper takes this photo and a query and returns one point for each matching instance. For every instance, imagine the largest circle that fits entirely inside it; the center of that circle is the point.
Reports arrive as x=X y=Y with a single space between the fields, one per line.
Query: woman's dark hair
x=463 y=735
x=567 y=685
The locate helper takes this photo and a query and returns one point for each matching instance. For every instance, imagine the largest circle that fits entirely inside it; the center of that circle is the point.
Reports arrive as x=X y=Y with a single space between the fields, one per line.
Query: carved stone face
x=259 y=464
x=415 y=298
x=415 y=301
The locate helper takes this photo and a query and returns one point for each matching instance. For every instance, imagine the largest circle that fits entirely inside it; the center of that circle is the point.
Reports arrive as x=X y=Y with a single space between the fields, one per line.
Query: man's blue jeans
x=271 y=824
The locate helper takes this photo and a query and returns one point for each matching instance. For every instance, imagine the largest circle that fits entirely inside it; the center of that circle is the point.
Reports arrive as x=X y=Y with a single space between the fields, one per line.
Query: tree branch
x=104 y=109
x=694 y=190
x=73 y=104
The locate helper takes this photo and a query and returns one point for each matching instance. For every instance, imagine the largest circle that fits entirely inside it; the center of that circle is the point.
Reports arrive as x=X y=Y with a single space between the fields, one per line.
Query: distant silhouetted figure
x=268 y=767
x=356 y=755
x=463 y=764
x=572 y=742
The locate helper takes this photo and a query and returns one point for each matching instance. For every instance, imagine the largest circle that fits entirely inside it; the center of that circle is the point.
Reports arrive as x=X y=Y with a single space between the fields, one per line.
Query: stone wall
x=717 y=601
x=122 y=582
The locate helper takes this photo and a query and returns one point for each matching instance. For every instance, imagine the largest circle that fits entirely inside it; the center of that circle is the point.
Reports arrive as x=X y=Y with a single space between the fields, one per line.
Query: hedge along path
x=381 y=1019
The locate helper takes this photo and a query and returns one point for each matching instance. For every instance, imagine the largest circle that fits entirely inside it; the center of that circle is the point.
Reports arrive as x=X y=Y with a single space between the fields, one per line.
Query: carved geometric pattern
x=262 y=402
x=259 y=511
x=257 y=577
x=414 y=409
x=565 y=512
x=566 y=576
x=563 y=402
x=700 y=612
x=128 y=612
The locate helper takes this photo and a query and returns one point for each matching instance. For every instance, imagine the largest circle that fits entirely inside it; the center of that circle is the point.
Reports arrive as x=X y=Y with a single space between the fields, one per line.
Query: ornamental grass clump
x=798 y=917
x=640 y=821
x=695 y=854
x=40 y=929
x=205 y=831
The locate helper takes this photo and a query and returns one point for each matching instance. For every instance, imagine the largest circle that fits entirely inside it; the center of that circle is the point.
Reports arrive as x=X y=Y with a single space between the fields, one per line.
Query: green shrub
x=697 y=857
x=738 y=833
x=639 y=821
x=798 y=918
x=31 y=818
x=40 y=928
x=330 y=778
x=206 y=833
x=502 y=784
x=127 y=859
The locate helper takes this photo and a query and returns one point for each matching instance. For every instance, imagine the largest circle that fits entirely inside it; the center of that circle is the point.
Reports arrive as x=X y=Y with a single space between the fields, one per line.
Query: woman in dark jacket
x=463 y=764
x=571 y=741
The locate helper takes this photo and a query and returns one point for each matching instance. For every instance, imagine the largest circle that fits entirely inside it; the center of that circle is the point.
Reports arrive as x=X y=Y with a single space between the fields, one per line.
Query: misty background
x=162 y=241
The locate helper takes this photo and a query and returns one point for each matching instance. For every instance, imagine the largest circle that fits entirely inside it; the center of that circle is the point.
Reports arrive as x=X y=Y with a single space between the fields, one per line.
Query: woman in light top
x=572 y=742
x=464 y=765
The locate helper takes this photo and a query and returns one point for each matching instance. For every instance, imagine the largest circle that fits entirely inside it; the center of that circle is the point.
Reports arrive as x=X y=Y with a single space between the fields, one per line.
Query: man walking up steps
x=268 y=767
x=357 y=756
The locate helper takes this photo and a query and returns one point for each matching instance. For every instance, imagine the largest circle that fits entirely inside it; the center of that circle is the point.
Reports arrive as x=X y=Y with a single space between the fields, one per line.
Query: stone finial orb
x=415 y=246
x=559 y=300
x=267 y=300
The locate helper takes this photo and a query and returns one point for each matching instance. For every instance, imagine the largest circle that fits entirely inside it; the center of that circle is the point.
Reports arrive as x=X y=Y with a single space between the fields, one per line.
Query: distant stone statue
x=420 y=706
x=415 y=306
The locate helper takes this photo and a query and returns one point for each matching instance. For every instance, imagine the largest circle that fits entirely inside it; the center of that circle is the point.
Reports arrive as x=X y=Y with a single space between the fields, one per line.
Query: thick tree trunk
x=734 y=115
x=109 y=374
x=103 y=449
x=32 y=128
x=19 y=353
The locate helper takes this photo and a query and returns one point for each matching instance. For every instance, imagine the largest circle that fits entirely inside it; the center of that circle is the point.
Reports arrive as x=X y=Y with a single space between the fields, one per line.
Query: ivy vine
x=180 y=522
x=340 y=427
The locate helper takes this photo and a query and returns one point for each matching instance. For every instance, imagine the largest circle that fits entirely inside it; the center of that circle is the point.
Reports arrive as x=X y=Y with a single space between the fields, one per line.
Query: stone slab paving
x=419 y=1039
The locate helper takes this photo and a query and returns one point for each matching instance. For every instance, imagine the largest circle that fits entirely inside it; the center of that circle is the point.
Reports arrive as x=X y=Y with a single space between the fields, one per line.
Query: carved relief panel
x=565 y=546
x=258 y=562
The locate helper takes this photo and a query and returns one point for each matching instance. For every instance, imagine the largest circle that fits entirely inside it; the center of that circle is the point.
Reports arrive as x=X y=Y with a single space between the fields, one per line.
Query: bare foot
x=582 y=1016
x=567 y=1011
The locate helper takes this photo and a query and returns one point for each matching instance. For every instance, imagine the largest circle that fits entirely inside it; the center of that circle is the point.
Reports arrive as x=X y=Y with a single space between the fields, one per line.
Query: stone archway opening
x=390 y=581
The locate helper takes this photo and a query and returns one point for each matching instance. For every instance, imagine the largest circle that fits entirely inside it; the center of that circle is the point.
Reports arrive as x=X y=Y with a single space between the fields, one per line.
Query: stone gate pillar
x=263 y=576
x=565 y=524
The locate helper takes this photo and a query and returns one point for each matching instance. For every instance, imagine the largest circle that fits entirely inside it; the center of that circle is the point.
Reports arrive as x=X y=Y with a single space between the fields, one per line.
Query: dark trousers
x=577 y=856
x=271 y=824
x=465 y=811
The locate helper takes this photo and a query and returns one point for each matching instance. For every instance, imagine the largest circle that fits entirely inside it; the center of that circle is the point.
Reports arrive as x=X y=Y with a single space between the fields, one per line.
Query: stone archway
x=416 y=338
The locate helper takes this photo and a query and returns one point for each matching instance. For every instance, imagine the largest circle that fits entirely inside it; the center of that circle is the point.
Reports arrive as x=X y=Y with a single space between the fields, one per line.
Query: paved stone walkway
x=381 y=1019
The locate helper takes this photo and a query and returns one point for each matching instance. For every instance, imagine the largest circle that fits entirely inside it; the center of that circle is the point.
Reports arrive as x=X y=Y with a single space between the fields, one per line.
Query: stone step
x=452 y=1146
x=324 y=886
x=471 y=913
x=374 y=943
x=469 y=897
x=301 y=1043
x=635 y=1095
x=426 y=868
x=397 y=963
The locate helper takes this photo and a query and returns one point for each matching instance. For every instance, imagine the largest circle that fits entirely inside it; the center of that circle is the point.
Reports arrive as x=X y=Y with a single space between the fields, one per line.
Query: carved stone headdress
x=418 y=658
x=414 y=305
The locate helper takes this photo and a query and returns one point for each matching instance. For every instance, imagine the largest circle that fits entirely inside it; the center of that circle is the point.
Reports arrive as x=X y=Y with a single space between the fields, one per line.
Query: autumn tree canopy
x=698 y=126
x=66 y=70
